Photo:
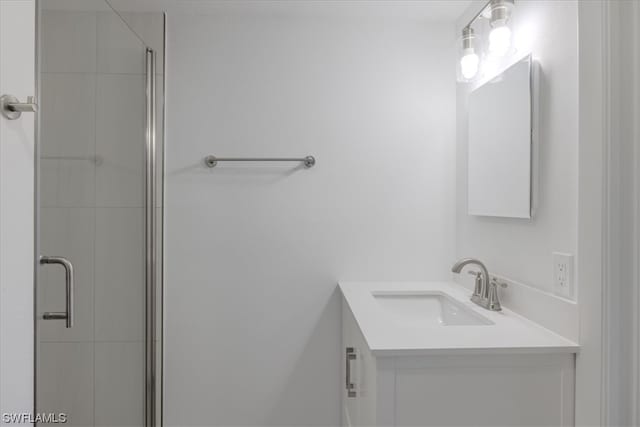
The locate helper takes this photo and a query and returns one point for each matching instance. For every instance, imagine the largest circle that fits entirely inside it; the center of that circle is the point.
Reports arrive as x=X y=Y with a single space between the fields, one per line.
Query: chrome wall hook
x=11 y=108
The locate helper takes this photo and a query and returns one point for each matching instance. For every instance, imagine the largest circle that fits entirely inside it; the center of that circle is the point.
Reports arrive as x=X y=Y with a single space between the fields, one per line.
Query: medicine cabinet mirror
x=500 y=147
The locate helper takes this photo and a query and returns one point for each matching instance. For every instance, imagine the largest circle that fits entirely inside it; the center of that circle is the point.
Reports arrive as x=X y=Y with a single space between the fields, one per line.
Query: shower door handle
x=68 y=274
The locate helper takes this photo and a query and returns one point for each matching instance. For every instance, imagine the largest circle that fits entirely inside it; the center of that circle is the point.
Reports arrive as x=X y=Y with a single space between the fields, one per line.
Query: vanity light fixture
x=498 y=13
x=470 y=62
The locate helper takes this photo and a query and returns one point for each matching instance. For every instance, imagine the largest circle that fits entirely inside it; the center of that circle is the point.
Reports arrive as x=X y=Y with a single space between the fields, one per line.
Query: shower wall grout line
x=94 y=73
x=93 y=341
x=95 y=207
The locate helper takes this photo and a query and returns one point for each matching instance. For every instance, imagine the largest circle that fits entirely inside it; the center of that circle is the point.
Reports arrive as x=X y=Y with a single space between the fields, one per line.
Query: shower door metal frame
x=151 y=249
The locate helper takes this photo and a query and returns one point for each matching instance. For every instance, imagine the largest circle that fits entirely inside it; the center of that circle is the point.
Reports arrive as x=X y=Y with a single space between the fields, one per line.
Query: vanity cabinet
x=453 y=388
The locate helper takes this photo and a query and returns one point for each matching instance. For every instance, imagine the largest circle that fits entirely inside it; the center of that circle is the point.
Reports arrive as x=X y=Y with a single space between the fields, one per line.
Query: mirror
x=501 y=144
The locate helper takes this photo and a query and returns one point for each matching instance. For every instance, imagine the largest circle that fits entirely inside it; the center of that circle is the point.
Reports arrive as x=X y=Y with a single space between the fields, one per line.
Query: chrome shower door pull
x=68 y=273
x=11 y=108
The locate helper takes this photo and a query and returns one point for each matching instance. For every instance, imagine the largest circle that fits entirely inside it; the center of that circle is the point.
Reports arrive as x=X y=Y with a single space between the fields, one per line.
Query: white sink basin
x=427 y=309
x=437 y=318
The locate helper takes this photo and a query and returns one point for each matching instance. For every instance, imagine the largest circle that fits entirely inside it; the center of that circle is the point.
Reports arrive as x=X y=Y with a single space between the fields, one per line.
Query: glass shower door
x=91 y=214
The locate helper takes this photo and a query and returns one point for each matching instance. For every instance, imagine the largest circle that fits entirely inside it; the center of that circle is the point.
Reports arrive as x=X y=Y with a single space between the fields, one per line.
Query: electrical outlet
x=563 y=275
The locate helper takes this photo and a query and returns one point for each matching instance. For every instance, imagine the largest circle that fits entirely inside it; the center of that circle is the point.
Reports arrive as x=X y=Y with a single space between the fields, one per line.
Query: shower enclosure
x=99 y=208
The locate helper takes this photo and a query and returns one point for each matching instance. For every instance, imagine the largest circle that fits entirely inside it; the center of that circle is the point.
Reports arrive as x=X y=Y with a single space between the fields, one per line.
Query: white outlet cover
x=563 y=278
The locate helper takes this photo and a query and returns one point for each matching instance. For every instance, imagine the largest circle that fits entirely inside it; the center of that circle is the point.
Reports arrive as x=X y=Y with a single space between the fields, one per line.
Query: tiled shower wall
x=92 y=212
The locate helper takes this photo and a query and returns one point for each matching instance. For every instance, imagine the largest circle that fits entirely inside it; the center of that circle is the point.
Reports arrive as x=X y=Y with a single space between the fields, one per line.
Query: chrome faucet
x=485 y=293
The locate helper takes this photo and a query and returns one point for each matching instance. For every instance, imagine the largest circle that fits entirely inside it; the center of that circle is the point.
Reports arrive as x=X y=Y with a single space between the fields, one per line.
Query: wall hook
x=12 y=108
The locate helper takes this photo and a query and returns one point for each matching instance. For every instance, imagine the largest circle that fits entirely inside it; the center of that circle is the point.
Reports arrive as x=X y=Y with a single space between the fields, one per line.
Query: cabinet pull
x=350 y=356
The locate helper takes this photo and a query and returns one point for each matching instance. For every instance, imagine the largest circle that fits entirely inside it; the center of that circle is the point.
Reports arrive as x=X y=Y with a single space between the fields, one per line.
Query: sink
x=427 y=309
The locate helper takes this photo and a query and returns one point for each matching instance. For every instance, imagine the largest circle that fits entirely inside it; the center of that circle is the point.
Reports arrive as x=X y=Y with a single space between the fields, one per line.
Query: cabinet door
x=485 y=390
x=350 y=404
x=359 y=375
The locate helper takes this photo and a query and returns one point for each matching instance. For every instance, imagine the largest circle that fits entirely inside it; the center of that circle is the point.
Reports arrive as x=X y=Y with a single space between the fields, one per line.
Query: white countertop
x=509 y=333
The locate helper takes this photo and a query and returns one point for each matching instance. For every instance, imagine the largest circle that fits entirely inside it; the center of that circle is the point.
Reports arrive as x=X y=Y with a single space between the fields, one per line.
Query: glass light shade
x=469 y=64
x=500 y=40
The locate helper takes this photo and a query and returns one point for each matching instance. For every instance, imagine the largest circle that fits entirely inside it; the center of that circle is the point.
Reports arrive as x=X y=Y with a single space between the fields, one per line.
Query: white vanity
x=422 y=354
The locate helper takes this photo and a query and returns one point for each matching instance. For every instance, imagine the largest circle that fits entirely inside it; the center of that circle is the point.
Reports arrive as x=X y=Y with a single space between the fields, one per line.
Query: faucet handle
x=477 y=290
x=494 y=300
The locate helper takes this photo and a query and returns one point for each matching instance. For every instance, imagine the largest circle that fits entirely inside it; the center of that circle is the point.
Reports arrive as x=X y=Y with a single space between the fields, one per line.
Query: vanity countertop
x=508 y=333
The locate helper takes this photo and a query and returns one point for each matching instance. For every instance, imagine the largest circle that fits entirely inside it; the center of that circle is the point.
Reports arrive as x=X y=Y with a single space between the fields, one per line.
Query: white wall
x=253 y=252
x=17 y=77
x=521 y=250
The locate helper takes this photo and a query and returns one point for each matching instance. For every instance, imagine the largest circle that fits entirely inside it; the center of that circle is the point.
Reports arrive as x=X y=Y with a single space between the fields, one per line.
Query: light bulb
x=500 y=40
x=469 y=64
x=469 y=60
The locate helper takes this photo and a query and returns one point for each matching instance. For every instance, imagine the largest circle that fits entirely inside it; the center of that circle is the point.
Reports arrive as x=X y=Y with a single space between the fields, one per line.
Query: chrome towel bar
x=212 y=161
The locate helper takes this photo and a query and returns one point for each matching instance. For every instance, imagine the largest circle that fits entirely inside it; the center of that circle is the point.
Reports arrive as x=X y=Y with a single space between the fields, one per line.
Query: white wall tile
x=68 y=114
x=77 y=183
x=150 y=28
x=65 y=381
x=119 y=286
x=68 y=41
x=49 y=182
x=119 y=384
x=67 y=232
x=119 y=49
x=120 y=140
x=67 y=182
x=67 y=138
